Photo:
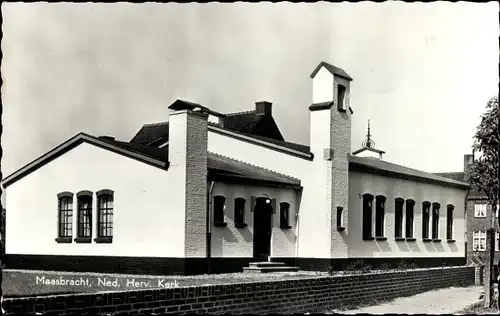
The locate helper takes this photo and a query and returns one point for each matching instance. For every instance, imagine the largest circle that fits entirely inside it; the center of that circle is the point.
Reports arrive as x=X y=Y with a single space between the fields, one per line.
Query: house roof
x=458 y=176
x=150 y=155
x=375 y=150
x=334 y=70
x=377 y=166
x=157 y=132
x=225 y=168
x=219 y=167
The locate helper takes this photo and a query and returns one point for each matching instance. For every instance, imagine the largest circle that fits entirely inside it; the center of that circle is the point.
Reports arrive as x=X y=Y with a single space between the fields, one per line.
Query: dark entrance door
x=262 y=221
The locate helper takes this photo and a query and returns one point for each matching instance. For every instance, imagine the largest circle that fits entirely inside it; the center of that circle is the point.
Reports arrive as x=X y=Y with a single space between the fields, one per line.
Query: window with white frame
x=480 y=210
x=479 y=241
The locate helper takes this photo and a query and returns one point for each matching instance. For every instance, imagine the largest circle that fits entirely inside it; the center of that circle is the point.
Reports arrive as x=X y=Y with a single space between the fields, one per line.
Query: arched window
x=380 y=216
x=284 y=215
x=399 y=215
x=219 y=207
x=65 y=217
x=341 y=97
x=239 y=212
x=410 y=205
x=367 y=217
x=84 y=216
x=425 y=219
x=105 y=207
x=449 y=222
x=435 y=220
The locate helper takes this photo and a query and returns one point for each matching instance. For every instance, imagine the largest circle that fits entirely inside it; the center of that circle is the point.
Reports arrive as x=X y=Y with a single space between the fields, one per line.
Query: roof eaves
x=366 y=164
x=249 y=166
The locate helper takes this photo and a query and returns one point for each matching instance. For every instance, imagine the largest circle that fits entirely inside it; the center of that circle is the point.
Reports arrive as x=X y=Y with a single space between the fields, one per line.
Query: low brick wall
x=305 y=295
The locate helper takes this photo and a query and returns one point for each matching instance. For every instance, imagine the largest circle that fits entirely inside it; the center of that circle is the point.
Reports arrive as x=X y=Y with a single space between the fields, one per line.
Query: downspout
x=209 y=226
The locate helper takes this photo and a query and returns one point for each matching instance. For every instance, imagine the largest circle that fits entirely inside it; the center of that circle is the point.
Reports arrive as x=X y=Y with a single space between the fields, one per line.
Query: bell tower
x=330 y=141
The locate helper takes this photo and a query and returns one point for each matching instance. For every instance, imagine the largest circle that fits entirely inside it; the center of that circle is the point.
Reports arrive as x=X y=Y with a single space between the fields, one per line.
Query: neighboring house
x=211 y=192
x=478 y=217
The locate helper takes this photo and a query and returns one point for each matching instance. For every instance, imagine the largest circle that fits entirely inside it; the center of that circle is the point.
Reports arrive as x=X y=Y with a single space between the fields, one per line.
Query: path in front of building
x=444 y=301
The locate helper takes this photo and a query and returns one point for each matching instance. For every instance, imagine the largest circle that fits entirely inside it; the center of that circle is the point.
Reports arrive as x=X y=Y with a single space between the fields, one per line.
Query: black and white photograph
x=250 y=158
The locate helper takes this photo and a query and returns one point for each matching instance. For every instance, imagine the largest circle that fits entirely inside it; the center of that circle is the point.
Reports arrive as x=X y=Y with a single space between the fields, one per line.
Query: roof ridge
x=255 y=166
x=155 y=124
x=241 y=113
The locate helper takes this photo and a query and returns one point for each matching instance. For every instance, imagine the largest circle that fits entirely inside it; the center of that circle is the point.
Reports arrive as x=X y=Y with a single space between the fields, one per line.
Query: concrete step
x=266 y=264
x=270 y=269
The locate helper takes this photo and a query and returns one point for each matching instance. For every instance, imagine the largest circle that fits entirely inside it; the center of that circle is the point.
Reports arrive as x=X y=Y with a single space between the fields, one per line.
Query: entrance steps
x=267 y=267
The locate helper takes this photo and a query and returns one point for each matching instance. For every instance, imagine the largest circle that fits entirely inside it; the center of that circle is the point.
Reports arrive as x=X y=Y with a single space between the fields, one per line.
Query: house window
x=84 y=216
x=409 y=218
x=479 y=241
x=425 y=219
x=435 y=220
x=219 y=206
x=239 y=212
x=379 y=216
x=284 y=215
x=105 y=201
x=65 y=210
x=367 y=216
x=341 y=97
x=480 y=210
x=398 y=214
x=340 y=223
x=449 y=222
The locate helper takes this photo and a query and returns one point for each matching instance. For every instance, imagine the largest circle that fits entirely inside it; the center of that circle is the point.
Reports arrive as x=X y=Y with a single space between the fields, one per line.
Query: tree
x=484 y=173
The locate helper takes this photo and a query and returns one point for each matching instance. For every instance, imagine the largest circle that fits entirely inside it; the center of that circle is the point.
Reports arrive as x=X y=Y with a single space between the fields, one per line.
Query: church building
x=207 y=192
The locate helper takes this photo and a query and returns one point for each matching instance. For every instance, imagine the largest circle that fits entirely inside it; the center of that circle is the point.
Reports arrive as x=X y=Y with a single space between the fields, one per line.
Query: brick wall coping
x=256 y=282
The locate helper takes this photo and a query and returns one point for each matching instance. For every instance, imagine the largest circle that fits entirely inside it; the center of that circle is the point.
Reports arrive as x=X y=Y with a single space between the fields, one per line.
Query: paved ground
x=444 y=301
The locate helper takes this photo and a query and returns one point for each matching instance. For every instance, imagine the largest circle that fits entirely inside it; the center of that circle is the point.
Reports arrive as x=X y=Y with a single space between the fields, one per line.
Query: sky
x=423 y=73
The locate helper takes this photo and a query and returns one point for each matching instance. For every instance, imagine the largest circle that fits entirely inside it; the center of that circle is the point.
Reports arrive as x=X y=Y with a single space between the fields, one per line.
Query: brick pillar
x=488 y=276
x=478 y=274
x=188 y=165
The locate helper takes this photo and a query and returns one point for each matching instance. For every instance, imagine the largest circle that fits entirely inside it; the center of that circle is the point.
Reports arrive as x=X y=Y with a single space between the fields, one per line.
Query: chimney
x=468 y=161
x=264 y=107
x=188 y=138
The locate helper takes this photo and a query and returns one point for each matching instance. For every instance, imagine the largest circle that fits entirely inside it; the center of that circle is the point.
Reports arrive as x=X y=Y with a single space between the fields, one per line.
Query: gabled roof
x=250 y=122
x=375 y=150
x=150 y=155
x=334 y=70
x=377 y=166
x=219 y=167
x=149 y=133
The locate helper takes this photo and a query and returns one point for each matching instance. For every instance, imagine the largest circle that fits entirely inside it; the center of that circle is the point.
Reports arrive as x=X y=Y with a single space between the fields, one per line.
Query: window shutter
x=273 y=204
x=252 y=203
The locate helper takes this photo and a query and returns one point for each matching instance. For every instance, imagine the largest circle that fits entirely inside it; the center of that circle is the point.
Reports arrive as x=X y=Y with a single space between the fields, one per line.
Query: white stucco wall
x=230 y=241
x=314 y=227
x=392 y=188
x=322 y=86
x=147 y=222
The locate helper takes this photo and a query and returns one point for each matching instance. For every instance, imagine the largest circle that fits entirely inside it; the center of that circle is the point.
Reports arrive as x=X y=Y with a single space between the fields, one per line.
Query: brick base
x=290 y=296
